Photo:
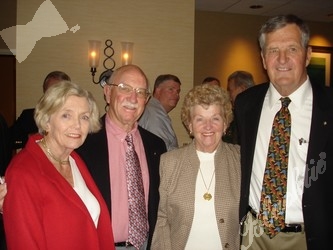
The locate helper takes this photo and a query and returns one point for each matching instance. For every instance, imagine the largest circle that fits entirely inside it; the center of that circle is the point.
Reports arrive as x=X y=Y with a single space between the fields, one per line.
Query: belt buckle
x=297 y=227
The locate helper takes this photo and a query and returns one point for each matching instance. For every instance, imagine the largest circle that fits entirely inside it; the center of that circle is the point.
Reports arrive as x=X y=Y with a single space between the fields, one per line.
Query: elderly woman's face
x=69 y=126
x=207 y=126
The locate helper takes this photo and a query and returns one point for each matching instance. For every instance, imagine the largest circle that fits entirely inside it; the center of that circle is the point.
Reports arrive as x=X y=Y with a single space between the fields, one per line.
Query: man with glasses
x=126 y=94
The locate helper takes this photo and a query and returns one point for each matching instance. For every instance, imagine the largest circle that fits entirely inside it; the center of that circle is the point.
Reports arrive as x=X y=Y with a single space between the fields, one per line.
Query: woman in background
x=200 y=183
x=52 y=201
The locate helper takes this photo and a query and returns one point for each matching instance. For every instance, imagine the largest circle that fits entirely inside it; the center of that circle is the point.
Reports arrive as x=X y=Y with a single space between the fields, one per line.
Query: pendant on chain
x=207 y=196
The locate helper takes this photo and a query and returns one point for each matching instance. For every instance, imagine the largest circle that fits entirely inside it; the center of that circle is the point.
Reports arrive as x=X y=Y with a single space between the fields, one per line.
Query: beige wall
x=169 y=37
x=228 y=42
x=162 y=33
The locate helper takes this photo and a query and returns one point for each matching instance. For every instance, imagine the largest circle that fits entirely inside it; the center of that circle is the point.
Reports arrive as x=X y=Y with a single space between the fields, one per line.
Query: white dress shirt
x=301 y=112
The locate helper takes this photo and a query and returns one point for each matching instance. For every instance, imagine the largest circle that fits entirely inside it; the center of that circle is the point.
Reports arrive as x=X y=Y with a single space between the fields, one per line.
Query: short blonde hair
x=206 y=95
x=56 y=96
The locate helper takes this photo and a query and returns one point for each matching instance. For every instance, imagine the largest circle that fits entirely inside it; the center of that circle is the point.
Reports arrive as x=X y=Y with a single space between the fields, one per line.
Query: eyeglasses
x=127 y=90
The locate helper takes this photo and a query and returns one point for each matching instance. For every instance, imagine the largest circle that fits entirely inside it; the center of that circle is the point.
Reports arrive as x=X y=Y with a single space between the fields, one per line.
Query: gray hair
x=281 y=21
x=242 y=79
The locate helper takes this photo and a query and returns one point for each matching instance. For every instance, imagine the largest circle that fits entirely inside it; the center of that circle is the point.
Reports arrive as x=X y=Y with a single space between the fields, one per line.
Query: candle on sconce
x=92 y=59
x=127 y=53
x=126 y=57
x=94 y=52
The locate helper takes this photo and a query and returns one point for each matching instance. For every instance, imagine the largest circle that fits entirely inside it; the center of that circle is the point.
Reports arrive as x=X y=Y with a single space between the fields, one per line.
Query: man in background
x=238 y=81
x=155 y=118
x=25 y=123
x=212 y=81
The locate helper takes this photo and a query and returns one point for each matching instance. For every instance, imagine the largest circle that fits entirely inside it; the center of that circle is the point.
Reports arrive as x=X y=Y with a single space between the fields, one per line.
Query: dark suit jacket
x=22 y=128
x=5 y=156
x=318 y=192
x=94 y=152
x=5 y=146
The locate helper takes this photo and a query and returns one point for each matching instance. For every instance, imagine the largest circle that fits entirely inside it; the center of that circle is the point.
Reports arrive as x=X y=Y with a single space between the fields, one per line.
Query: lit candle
x=127 y=53
x=125 y=59
x=94 y=51
x=92 y=60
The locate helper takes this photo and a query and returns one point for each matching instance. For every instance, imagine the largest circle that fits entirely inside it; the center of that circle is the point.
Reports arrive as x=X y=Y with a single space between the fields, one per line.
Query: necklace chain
x=207 y=195
x=49 y=153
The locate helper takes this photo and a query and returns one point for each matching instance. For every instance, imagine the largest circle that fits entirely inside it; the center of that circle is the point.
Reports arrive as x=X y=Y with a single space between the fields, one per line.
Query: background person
x=25 y=124
x=200 y=183
x=52 y=201
x=238 y=81
x=155 y=118
x=305 y=225
x=5 y=145
x=211 y=80
x=5 y=156
x=126 y=94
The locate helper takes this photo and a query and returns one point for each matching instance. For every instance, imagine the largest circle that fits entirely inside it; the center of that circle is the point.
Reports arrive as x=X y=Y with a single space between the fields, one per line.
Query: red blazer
x=43 y=211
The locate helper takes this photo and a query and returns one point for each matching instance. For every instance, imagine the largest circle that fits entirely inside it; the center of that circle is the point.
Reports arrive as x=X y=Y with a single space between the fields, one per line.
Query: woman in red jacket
x=52 y=201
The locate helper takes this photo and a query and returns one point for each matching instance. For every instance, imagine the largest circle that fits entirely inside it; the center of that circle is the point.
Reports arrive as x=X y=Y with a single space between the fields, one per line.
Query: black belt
x=123 y=244
x=289 y=228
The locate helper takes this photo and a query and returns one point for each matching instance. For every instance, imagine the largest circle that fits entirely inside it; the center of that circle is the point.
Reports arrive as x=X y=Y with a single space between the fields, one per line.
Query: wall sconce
x=126 y=52
x=94 y=55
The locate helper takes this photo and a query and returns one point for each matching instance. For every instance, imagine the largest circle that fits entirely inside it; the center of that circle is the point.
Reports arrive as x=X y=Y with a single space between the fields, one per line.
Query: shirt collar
x=297 y=98
x=119 y=133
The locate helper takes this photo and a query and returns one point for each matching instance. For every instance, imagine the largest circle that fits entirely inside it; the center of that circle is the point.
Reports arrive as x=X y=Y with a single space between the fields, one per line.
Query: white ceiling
x=310 y=10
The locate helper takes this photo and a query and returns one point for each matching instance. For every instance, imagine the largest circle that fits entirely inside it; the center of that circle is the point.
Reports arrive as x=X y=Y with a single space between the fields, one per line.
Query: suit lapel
x=320 y=124
x=95 y=154
x=251 y=122
x=189 y=172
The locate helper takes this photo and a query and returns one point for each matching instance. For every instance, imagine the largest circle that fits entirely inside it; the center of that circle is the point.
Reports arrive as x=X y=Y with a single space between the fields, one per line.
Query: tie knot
x=129 y=139
x=285 y=101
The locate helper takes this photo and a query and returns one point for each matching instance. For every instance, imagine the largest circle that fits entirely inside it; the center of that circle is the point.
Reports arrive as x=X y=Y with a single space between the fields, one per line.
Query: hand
x=3 y=191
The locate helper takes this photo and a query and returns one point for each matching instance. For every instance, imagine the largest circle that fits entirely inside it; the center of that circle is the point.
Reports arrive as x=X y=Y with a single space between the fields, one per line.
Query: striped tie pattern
x=138 y=227
x=273 y=195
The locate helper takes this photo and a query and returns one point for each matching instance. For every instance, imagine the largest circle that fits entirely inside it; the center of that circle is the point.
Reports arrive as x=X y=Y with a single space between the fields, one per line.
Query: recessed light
x=256 y=6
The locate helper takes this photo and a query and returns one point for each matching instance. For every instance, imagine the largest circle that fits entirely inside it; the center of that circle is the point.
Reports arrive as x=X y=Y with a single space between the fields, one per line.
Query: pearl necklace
x=49 y=153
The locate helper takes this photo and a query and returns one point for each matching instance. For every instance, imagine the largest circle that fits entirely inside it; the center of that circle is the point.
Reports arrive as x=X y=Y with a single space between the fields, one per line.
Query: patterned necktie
x=138 y=227
x=274 y=189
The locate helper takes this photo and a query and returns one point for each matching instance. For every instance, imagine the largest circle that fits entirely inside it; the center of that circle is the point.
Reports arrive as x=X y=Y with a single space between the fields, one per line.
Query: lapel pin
x=301 y=141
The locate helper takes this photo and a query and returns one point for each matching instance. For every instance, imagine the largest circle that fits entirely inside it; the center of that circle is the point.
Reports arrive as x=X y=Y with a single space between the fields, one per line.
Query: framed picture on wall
x=320 y=69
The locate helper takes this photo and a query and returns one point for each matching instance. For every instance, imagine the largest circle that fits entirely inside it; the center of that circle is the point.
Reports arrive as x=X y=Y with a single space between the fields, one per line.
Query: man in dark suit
x=25 y=123
x=126 y=93
x=307 y=221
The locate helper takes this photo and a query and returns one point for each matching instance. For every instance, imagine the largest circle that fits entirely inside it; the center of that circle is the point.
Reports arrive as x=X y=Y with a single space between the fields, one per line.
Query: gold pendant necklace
x=207 y=196
x=49 y=153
